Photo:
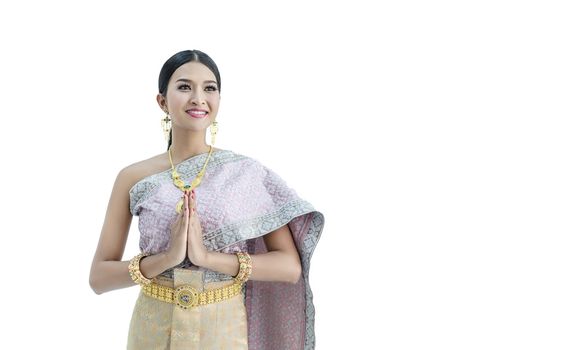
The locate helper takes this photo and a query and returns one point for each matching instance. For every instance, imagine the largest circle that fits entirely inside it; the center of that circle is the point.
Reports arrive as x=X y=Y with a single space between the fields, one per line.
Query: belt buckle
x=186 y=296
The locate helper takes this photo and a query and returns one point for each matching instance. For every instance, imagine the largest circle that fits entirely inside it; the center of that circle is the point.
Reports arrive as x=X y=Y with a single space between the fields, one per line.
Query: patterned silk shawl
x=240 y=200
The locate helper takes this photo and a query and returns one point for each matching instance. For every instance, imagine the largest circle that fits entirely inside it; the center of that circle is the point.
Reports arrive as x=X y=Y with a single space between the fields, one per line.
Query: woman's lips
x=197 y=114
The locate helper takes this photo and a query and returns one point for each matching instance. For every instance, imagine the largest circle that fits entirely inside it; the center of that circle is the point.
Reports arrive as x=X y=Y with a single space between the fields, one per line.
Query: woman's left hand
x=196 y=250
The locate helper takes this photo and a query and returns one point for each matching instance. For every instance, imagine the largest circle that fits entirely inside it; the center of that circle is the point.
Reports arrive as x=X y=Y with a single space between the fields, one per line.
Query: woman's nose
x=197 y=98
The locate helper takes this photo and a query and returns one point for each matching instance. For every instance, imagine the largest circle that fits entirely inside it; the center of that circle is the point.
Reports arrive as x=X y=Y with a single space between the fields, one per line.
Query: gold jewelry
x=186 y=296
x=245 y=267
x=214 y=129
x=181 y=184
x=166 y=126
x=134 y=271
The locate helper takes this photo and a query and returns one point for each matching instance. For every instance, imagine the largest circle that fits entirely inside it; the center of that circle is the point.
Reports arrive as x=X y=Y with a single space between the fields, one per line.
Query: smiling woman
x=225 y=242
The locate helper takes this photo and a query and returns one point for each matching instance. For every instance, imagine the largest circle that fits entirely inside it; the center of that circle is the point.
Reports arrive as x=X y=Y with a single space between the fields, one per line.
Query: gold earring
x=166 y=126
x=214 y=129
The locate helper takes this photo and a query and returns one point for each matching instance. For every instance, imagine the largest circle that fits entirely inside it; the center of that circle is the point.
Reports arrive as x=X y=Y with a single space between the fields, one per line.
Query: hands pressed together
x=187 y=234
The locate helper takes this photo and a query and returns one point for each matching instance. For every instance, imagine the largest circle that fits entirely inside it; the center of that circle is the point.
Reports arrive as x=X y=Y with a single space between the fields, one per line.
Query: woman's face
x=192 y=97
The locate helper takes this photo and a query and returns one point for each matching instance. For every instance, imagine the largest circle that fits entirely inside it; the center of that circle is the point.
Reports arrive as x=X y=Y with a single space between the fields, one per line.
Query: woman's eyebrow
x=190 y=81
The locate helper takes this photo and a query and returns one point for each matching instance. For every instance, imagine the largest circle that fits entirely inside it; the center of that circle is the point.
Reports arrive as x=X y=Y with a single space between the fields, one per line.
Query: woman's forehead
x=194 y=71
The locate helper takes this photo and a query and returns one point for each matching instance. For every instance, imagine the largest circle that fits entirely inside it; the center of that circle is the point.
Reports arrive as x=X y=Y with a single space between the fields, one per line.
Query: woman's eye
x=184 y=87
x=213 y=88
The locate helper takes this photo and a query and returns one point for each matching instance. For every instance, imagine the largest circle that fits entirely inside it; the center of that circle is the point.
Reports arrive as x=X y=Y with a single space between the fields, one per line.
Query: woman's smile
x=197 y=113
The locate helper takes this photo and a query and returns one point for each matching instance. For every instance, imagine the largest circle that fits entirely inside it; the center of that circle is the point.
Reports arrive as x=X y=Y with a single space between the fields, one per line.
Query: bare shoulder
x=134 y=172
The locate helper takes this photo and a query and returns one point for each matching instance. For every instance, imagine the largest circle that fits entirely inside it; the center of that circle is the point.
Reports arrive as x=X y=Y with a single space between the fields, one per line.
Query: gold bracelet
x=134 y=271
x=245 y=267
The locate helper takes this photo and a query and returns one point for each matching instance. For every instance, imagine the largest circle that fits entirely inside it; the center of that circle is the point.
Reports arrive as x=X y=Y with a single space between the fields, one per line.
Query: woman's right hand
x=177 y=250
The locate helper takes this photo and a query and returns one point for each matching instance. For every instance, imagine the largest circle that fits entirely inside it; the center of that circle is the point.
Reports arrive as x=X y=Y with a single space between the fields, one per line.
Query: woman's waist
x=188 y=288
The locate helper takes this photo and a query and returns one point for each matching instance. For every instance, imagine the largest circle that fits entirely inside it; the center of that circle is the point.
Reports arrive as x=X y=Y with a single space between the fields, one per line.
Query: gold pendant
x=179 y=206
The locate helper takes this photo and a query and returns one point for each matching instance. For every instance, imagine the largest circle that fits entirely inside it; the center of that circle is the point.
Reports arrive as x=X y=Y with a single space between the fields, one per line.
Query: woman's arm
x=280 y=264
x=108 y=272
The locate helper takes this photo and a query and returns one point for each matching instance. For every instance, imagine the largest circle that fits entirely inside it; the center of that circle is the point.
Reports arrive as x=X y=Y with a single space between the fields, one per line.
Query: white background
x=435 y=137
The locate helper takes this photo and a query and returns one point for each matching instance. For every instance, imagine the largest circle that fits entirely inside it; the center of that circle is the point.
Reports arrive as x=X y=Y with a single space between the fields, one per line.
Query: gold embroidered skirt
x=156 y=324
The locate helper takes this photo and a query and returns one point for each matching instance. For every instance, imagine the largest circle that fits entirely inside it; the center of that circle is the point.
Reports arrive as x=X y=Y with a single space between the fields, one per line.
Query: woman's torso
x=155 y=215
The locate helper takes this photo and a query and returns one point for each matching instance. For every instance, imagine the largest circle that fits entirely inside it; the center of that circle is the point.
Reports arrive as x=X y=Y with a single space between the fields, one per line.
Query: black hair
x=177 y=61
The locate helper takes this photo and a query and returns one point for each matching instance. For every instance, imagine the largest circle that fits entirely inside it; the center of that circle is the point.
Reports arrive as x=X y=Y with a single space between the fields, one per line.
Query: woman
x=225 y=243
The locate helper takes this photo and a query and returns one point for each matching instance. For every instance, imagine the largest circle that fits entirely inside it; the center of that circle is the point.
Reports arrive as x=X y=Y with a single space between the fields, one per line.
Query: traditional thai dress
x=238 y=201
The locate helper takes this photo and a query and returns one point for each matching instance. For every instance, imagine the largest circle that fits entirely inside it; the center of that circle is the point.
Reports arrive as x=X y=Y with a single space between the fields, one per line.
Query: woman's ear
x=162 y=103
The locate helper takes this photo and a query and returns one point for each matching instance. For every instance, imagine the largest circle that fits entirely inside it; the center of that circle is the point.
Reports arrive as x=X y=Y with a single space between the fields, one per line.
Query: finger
x=191 y=206
x=194 y=202
x=182 y=212
x=187 y=207
x=184 y=208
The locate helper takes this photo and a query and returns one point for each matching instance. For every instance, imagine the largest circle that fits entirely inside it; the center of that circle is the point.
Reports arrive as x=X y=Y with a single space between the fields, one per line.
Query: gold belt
x=186 y=296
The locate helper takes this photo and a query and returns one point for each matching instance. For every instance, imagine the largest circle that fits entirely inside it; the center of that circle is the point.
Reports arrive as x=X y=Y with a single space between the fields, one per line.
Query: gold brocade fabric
x=157 y=325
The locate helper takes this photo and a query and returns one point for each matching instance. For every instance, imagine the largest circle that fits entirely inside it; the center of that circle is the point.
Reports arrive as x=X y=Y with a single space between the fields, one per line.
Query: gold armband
x=134 y=271
x=245 y=267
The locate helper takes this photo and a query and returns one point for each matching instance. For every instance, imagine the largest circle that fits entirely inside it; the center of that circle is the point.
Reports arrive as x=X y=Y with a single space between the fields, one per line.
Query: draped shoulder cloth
x=240 y=200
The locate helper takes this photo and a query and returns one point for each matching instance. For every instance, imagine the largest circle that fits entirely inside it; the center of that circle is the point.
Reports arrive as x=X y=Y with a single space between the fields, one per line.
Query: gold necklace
x=181 y=184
